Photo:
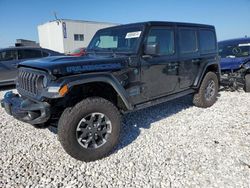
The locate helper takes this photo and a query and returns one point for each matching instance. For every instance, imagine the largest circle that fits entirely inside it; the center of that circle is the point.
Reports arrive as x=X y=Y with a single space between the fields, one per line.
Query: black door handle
x=173 y=65
x=196 y=60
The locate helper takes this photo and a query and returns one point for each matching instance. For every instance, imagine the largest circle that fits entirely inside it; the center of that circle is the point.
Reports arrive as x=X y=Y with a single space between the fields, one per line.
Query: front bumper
x=26 y=110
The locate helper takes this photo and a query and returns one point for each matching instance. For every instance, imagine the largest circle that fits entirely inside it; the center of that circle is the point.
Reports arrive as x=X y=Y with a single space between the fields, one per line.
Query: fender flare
x=202 y=73
x=106 y=78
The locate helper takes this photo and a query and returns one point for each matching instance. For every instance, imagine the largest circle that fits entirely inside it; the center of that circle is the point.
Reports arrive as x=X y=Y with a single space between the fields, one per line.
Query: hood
x=232 y=63
x=66 y=65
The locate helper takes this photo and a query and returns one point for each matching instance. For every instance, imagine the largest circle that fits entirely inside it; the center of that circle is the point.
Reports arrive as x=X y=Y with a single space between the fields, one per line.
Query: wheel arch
x=212 y=67
x=99 y=84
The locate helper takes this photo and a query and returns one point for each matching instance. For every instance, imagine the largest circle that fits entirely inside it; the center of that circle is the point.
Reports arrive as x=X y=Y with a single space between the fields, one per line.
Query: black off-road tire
x=199 y=98
x=70 y=119
x=247 y=83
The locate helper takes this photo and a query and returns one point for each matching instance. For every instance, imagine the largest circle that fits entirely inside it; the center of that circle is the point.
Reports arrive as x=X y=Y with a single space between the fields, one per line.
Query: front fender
x=75 y=80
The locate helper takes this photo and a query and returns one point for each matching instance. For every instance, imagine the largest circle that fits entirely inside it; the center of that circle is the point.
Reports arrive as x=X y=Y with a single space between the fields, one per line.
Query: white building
x=67 y=35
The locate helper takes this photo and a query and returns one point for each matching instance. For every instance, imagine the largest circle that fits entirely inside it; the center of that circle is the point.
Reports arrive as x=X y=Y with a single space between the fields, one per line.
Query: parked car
x=235 y=63
x=128 y=67
x=10 y=57
x=78 y=52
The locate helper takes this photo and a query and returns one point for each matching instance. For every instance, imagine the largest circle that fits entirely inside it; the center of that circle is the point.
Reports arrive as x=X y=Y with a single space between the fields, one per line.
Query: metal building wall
x=59 y=35
x=50 y=36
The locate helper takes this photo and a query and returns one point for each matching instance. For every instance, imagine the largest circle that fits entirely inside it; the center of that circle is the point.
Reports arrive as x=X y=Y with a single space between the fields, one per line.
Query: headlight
x=42 y=82
x=45 y=82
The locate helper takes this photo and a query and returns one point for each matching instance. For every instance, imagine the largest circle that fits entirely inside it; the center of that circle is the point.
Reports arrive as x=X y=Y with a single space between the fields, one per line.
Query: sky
x=20 y=18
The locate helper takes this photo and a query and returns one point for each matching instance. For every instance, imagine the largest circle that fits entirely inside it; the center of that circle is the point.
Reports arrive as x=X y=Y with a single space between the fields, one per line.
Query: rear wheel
x=90 y=130
x=247 y=83
x=208 y=91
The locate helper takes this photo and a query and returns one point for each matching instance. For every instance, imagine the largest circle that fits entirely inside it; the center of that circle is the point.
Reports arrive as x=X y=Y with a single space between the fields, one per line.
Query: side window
x=188 y=40
x=29 y=54
x=8 y=55
x=164 y=38
x=207 y=40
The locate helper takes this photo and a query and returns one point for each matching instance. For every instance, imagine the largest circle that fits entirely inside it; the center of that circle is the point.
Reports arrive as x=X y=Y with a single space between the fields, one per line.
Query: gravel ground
x=170 y=145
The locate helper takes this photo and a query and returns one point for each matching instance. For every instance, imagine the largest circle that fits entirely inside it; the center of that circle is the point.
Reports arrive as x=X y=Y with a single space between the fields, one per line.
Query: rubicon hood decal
x=73 y=65
x=98 y=67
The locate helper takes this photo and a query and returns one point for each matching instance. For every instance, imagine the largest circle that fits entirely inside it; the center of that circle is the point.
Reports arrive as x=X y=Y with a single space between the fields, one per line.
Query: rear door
x=189 y=62
x=8 y=65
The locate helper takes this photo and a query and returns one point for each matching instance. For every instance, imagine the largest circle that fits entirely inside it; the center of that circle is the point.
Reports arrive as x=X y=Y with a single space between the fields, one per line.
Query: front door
x=159 y=73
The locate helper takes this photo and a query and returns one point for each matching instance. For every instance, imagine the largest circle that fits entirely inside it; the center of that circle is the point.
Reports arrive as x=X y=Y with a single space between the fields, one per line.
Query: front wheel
x=208 y=91
x=90 y=130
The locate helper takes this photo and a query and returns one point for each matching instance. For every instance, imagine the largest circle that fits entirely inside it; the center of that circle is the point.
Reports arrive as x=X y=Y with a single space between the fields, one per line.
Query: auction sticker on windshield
x=135 y=34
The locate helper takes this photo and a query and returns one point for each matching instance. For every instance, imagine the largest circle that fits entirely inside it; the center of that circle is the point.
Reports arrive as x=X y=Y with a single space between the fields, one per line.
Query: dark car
x=127 y=68
x=78 y=52
x=10 y=57
x=235 y=63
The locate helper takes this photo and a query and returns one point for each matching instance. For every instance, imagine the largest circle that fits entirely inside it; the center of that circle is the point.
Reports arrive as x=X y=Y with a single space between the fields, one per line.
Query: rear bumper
x=26 y=110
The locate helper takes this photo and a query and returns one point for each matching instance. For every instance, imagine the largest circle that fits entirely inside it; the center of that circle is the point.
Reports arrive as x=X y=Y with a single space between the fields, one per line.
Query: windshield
x=234 y=50
x=118 y=39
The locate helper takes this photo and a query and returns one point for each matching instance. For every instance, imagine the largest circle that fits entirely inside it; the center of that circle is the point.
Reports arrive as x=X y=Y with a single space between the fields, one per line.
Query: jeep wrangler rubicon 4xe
x=127 y=67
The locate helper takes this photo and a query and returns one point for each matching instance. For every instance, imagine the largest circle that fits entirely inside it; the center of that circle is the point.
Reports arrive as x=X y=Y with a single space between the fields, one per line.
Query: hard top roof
x=164 y=23
x=27 y=48
x=21 y=47
x=236 y=40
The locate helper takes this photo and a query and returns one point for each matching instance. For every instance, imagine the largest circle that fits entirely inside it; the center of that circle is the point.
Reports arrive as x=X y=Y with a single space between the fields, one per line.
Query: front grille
x=27 y=81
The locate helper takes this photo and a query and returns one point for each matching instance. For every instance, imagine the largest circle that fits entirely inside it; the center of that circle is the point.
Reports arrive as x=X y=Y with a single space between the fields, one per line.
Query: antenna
x=57 y=20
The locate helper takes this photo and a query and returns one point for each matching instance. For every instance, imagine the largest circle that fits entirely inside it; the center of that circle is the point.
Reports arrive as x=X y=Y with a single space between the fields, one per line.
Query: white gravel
x=170 y=145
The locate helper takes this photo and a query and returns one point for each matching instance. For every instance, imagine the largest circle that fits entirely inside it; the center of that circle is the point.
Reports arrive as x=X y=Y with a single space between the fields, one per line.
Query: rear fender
x=214 y=67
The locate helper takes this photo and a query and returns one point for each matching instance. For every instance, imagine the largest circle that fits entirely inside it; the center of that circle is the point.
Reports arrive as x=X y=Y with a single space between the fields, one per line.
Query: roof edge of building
x=80 y=21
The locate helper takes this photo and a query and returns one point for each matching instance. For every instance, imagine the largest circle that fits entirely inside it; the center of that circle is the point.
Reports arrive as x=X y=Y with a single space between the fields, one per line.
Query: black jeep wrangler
x=127 y=67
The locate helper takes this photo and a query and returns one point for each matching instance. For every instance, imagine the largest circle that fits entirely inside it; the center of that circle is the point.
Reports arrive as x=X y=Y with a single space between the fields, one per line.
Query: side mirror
x=151 y=49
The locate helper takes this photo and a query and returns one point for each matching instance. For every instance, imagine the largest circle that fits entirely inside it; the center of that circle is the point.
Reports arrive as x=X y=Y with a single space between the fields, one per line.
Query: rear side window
x=29 y=54
x=188 y=40
x=164 y=38
x=207 y=40
x=8 y=55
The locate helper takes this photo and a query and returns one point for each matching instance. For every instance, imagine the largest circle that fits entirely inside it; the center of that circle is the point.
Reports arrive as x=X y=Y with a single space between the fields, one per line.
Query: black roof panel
x=165 y=23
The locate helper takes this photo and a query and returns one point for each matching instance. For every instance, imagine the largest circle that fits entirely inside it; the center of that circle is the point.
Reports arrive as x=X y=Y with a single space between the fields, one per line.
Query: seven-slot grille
x=27 y=81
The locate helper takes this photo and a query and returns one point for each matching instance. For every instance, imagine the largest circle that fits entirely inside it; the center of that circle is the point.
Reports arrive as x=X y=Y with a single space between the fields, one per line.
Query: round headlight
x=42 y=82
x=45 y=81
